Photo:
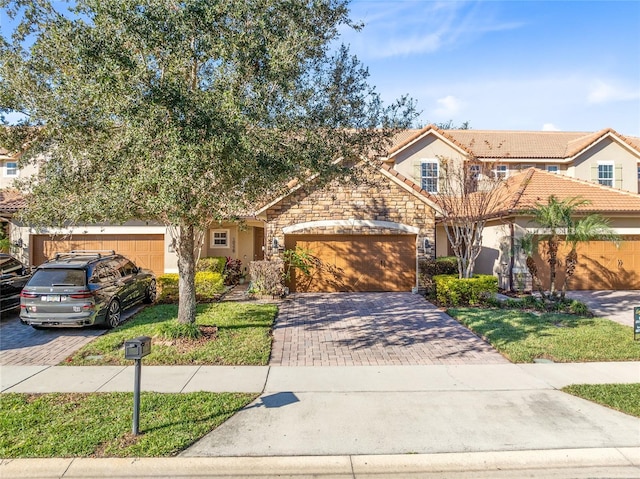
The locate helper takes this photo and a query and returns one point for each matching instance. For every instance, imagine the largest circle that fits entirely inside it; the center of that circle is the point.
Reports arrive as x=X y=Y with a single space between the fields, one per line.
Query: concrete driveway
x=614 y=305
x=372 y=329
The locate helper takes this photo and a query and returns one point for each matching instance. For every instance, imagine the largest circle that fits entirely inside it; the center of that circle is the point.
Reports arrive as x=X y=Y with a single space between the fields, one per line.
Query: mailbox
x=137 y=348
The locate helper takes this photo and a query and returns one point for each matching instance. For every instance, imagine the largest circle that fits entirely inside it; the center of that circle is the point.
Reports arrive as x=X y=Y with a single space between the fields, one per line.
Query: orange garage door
x=601 y=265
x=146 y=251
x=357 y=262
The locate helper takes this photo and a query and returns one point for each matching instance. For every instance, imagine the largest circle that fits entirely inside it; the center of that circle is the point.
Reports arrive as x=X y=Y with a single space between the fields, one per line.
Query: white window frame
x=424 y=179
x=501 y=171
x=555 y=169
x=14 y=169
x=605 y=181
x=217 y=242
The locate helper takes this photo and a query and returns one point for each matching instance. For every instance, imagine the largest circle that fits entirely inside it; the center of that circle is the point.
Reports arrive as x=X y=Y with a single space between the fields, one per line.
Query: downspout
x=512 y=255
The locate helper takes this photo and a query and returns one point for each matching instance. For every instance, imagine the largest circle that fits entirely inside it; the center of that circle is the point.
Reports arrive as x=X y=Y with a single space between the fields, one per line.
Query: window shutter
x=618 y=176
x=594 y=173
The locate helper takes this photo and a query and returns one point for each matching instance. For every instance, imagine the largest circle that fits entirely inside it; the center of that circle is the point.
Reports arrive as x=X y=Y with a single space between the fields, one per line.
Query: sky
x=506 y=65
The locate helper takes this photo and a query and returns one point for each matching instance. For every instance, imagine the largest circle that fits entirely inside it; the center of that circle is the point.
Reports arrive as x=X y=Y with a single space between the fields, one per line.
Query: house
x=372 y=235
x=601 y=264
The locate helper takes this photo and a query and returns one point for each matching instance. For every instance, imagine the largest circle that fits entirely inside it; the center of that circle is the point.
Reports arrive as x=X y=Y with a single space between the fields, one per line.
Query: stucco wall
x=609 y=150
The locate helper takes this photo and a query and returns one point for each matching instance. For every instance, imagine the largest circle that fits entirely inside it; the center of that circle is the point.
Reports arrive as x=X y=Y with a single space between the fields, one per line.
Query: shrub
x=451 y=290
x=214 y=264
x=176 y=330
x=232 y=271
x=579 y=308
x=430 y=267
x=267 y=277
x=208 y=286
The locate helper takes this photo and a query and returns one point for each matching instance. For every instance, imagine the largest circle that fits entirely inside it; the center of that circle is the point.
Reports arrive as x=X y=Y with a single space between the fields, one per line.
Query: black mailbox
x=137 y=348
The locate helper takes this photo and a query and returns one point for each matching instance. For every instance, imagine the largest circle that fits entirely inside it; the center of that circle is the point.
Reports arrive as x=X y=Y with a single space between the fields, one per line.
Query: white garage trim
x=351 y=224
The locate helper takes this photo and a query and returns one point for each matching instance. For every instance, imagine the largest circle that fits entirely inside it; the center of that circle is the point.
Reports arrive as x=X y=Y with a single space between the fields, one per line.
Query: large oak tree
x=184 y=112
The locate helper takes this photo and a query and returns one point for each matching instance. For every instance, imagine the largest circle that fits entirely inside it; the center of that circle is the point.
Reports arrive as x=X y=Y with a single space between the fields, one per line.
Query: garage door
x=146 y=251
x=601 y=265
x=357 y=262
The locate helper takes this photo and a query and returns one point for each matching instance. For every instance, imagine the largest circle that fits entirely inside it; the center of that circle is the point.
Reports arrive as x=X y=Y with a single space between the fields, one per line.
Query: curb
x=334 y=466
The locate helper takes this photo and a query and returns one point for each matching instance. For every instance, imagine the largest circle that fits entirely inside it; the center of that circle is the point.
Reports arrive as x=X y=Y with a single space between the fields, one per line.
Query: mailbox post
x=136 y=349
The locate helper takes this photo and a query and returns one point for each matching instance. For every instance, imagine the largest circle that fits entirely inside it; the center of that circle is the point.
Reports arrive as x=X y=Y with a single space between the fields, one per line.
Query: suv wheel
x=113 y=314
x=150 y=294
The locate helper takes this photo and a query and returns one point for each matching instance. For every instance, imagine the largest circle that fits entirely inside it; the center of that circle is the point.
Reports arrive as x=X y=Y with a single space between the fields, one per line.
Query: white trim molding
x=352 y=223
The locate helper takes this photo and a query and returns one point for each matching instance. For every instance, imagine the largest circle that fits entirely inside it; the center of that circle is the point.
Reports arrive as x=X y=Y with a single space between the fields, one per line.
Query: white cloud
x=602 y=92
x=550 y=127
x=448 y=106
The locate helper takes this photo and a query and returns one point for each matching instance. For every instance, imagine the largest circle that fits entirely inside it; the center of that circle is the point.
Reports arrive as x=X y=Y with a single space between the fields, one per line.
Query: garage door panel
x=601 y=265
x=357 y=262
x=147 y=251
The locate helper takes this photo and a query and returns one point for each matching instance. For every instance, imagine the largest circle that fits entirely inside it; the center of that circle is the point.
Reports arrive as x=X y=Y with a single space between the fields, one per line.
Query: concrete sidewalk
x=491 y=420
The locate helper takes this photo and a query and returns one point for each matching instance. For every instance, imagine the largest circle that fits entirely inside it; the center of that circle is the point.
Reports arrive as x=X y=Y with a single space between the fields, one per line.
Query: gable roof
x=535 y=186
x=505 y=144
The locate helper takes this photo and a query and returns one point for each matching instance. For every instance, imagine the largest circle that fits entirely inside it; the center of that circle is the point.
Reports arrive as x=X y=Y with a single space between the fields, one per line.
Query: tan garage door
x=146 y=251
x=601 y=265
x=357 y=262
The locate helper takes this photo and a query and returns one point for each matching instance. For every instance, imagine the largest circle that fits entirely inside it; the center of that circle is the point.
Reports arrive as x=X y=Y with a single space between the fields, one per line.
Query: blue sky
x=513 y=65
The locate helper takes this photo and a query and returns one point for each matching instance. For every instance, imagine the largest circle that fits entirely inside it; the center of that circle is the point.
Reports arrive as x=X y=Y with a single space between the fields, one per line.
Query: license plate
x=51 y=298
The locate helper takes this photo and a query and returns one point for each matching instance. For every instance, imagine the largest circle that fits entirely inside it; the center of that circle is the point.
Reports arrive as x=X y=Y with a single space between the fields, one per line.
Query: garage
x=601 y=265
x=146 y=251
x=357 y=262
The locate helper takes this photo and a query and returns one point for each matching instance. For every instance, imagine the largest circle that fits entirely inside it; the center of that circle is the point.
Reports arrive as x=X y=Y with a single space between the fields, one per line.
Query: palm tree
x=555 y=217
x=588 y=228
x=526 y=244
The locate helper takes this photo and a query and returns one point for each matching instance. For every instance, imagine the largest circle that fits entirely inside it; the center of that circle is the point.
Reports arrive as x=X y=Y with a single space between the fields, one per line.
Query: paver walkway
x=372 y=329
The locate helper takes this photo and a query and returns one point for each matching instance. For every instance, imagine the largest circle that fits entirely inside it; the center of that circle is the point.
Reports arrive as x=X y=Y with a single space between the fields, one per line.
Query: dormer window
x=605 y=173
x=429 y=175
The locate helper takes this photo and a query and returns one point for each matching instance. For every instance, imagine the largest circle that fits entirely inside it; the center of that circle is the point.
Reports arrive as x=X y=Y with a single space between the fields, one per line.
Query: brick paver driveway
x=344 y=329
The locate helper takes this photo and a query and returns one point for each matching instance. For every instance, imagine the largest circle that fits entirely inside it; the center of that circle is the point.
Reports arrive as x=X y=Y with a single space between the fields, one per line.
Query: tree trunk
x=187 y=272
x=570 y=267
x=553 y=262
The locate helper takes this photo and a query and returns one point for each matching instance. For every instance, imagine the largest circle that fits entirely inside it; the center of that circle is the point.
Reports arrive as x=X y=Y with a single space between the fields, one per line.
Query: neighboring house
x=372 y=236
x=601 y=264
x=9 y=171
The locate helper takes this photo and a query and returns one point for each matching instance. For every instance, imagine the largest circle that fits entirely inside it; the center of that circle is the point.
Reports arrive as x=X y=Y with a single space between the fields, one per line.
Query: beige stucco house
x=373 y=234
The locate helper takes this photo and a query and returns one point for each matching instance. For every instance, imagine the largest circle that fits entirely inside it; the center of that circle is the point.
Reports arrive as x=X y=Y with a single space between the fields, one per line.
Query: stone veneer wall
x=380 y=199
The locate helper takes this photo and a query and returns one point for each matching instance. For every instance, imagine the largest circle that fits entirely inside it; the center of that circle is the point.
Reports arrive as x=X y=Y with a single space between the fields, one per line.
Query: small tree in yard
x=468 y=194
x=558 y=219
x=182 y=112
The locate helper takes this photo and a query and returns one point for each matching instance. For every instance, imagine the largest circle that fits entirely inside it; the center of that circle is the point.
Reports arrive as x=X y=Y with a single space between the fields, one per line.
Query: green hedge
x=214 y=264
x=451 y=290
x=208 y=287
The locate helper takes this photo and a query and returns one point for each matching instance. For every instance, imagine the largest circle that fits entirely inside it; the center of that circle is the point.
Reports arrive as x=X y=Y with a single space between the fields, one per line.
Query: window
x=429 y=175
x=605 y=174
x=553 y=169
x=219 y=239
x=501 y=171
x=11 y=168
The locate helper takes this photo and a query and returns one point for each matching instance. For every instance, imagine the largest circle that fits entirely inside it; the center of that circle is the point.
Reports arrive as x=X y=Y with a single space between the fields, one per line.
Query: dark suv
x=13 y=276
x=83 y=288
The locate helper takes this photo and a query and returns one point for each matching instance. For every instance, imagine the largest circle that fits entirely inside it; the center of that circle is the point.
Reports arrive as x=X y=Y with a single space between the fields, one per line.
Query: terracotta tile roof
x=11 y=201
x=535 y=186
x=516 y=144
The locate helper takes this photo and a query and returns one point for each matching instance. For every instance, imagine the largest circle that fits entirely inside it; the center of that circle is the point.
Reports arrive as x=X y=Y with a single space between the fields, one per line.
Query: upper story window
x=553 y=169
x=11 y=168
x=605 y=174
x=429 y=175
x=501 y=171
x=219 y=239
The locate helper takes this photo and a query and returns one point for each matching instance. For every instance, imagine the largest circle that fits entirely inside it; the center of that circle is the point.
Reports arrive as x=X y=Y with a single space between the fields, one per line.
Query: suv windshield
x=58 y=277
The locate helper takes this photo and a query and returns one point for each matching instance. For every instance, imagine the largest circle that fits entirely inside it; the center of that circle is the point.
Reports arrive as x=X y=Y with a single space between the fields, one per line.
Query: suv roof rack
x=76 y=252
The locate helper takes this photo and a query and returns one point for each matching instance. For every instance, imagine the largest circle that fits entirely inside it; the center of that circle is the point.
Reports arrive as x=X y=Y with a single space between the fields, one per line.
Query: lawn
x=235 y=334
x=522 y=336
x=622 y=397
x=99 y=424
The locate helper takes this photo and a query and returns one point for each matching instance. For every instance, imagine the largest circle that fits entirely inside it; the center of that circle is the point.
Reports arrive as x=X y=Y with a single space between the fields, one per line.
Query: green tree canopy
x=183 y=112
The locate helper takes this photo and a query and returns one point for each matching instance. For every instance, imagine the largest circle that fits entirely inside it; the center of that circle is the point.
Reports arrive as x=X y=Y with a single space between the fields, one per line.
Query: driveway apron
x=372 y=329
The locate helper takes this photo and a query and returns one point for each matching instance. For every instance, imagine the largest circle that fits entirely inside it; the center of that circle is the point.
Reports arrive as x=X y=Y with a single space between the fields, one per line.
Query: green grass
x=523 y=336
x=622 y=397
x=99 y=425
x=243 y=337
